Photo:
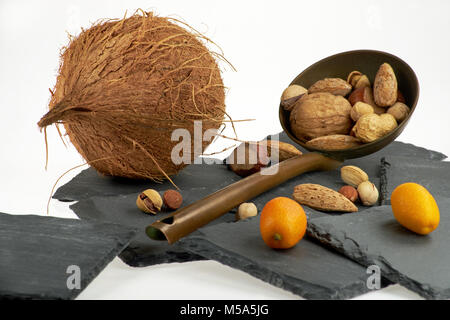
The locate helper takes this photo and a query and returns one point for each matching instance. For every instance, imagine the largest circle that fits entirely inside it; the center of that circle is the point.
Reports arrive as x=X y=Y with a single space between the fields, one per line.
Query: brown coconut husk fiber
x=124 y=86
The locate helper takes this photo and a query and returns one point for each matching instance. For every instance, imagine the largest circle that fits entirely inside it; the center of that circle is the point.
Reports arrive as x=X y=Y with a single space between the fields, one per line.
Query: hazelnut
x=149 y=201
x=291 y=94
x=349 y=192
x=360 y=109
x=399 y=110
x=246 y=210
x=368 y=193
x=172 y=199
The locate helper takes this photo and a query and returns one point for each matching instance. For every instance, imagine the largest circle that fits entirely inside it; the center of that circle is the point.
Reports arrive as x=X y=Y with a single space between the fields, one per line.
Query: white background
x=269 y=43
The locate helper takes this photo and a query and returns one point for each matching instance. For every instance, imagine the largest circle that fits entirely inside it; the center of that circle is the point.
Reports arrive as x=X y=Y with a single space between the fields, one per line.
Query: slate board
x=206 y=178
x=113 y=199
x=308 y=269
x=433 y=175
x=374 y=237
x=142 y=251
x=36 y=251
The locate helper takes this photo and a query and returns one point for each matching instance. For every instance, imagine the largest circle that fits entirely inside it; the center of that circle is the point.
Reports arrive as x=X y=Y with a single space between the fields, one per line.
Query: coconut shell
x=125 y=85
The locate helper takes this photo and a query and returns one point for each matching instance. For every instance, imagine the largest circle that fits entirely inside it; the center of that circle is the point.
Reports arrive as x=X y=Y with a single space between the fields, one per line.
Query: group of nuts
x=358 y=186
x=325 y=199
x=150 y=201
x=323 y=118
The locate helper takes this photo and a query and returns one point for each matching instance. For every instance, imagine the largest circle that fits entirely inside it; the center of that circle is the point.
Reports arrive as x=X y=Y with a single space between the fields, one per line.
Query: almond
x=322 y=198
x=334 y=86
x=385 y=88
x=334 y=142
x=353 y=176
x=285 y=150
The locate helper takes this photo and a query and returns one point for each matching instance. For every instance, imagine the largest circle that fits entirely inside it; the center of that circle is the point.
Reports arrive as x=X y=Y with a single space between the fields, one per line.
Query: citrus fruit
x=415 y=208
x=282 y=223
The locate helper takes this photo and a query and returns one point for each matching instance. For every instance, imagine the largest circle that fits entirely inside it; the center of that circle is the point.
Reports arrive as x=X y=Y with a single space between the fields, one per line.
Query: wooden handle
x=188 y=219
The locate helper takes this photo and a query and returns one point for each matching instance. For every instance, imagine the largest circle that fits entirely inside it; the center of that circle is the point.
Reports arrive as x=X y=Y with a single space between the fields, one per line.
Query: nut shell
x=359 y=109
x=334 y=142
x=322 y=198
x=246 y=210
x=172 y=199
x=371 y=127
x=284 y=150
x=290 y=96
x=334 y=86
x=320 y=114
x=349 y=192
x=149 y=201
x=399 y=110
x=368 y=193
x=353 y=176
x=385 y=86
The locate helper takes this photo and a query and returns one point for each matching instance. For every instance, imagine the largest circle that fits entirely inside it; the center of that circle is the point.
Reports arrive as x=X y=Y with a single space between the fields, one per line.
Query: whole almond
x=285 y=150
x=334 y=142
x=322 y=198
x=352 y=175
x=385 y=88
x=334 y=86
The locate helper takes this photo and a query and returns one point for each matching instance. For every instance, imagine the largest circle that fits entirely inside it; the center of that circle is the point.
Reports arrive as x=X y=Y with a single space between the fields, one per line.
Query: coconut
x=124 y=85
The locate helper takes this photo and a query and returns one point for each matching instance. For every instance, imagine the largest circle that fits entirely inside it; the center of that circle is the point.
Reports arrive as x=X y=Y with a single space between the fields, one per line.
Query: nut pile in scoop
x=337 y=114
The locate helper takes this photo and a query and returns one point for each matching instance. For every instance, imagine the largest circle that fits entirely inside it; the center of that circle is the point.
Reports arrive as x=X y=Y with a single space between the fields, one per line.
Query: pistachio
x=149 y=201
x=290 y=96
x=368 y=193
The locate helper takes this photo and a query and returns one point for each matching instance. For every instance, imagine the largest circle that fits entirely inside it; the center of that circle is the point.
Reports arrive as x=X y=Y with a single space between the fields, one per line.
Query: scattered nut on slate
x=368 y=193
x=172 y=199
x=246 y=210
x=349 y=192
x=149 y=201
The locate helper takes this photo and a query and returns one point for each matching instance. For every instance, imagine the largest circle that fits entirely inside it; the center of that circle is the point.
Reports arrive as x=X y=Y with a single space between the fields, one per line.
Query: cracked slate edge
x=296 y=286
x=117 y=234
x=432 y=174
x=302 y=284
x=141 y=251
x=340 y=242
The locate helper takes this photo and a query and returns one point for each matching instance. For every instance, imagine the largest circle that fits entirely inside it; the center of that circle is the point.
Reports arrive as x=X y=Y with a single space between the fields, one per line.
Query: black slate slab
x=433 y=175
x=36 y=251
x=308 y=269
x=113 y=200
x=142 y=251
x=206 y=178
x=374 y=237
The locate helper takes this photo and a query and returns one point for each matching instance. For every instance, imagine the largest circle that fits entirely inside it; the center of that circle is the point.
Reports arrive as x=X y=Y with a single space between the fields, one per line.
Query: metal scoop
x=188 y=219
